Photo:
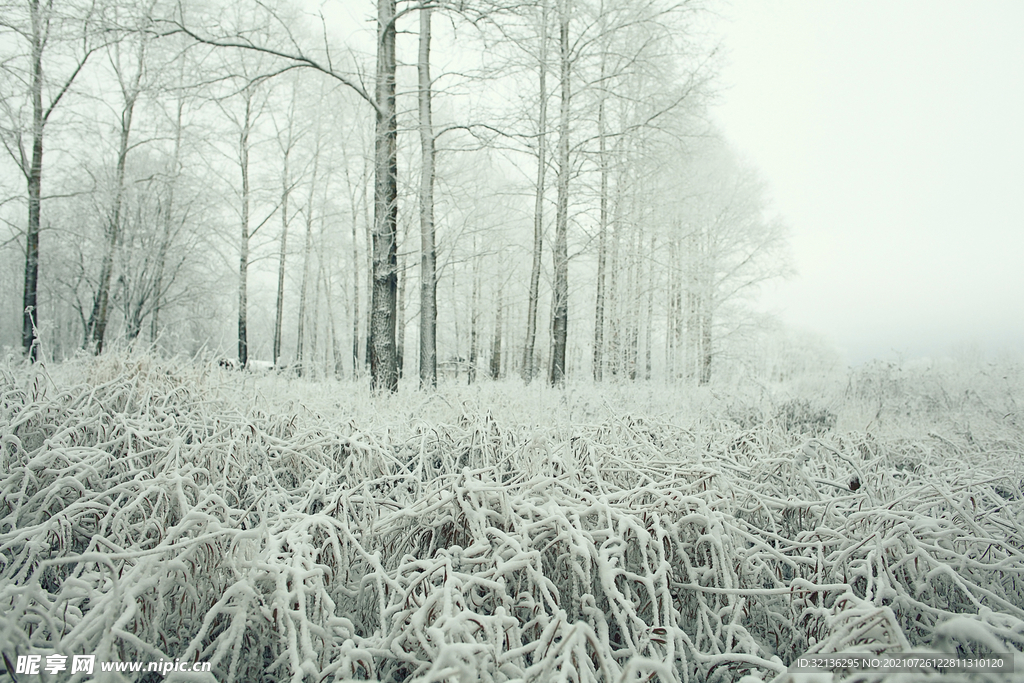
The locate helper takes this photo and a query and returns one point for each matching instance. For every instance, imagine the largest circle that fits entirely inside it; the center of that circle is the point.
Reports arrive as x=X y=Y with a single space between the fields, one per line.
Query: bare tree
x=42 y=27
x=731 y=245
x=253 y=103
x=169 y=208
x=129 y=80
x=286 y=139
x=383 y=357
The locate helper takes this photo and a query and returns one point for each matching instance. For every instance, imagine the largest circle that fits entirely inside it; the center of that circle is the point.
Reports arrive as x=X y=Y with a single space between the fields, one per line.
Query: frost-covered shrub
x=799 y=416
x=284 y=530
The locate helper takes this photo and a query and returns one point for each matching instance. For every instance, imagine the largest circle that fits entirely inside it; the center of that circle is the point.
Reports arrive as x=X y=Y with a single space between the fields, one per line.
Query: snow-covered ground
x=283 y=529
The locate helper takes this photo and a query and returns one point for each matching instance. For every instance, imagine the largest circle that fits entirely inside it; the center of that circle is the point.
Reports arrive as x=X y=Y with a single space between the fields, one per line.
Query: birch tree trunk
x=612 y=303
x=560 y=303
x=602 y=230
x=538 y=204
x=649 y=322
x=428 y=265
x=352 y=193
x=383 y=356
x=355 y=295
x=368 y=223
x=632 y=288
x=314 y=320
x=243 y=257
x=400 y=318
x=279 y=309
x=307 y=248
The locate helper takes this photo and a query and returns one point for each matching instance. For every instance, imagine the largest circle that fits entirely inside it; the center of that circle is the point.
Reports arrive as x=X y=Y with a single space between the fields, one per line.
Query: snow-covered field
x=289 y=530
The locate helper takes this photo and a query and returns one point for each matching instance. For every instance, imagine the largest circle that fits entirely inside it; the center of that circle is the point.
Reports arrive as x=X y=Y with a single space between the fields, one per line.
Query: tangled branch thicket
x=283 y=530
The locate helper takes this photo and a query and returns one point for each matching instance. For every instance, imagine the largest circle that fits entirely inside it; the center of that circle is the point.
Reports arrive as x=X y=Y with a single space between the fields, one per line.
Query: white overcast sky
x=891 y=133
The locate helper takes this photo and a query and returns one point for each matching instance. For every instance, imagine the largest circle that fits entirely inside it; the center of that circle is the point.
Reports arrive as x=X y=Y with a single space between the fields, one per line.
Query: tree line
x=537 y=168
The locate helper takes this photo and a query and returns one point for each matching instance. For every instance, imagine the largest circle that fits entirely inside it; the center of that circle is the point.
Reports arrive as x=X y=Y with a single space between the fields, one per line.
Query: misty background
x=748 y=187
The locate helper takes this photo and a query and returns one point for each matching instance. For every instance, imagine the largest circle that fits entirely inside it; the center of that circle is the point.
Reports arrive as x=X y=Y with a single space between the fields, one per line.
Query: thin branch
x=301 y=59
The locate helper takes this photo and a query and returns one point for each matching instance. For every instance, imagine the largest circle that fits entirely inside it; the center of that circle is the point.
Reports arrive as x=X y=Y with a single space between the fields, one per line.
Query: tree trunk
x=336 y=354
x=34 y=176
x=538 y=202
x=279 y=309
x=101 y=304
x=428 y=265
x=706 y=354
x=496 y=342
x=165 y=242
x=612 y=302
x=353 y=190
x=314 y=319
x=33 y=171
x=355 y=294
x=474 y=316
x=368 y=325
x=560 y=305
x=673 y=313
x=383 y=356
x=632 y=291
x=602 y=229
x=243 y=258
x=307 y=248
x=400 y=318
x=304 y=288
x=650 y=310
x=693 y=296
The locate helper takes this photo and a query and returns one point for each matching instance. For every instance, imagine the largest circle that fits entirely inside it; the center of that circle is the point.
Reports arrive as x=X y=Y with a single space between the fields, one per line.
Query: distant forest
x=478 y=189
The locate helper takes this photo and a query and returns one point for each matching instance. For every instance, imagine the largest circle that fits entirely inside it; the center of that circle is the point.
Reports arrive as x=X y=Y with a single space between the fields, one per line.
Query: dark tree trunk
x=29 y=339
x=33 y=171
x=383 y=355
x=560 y=305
